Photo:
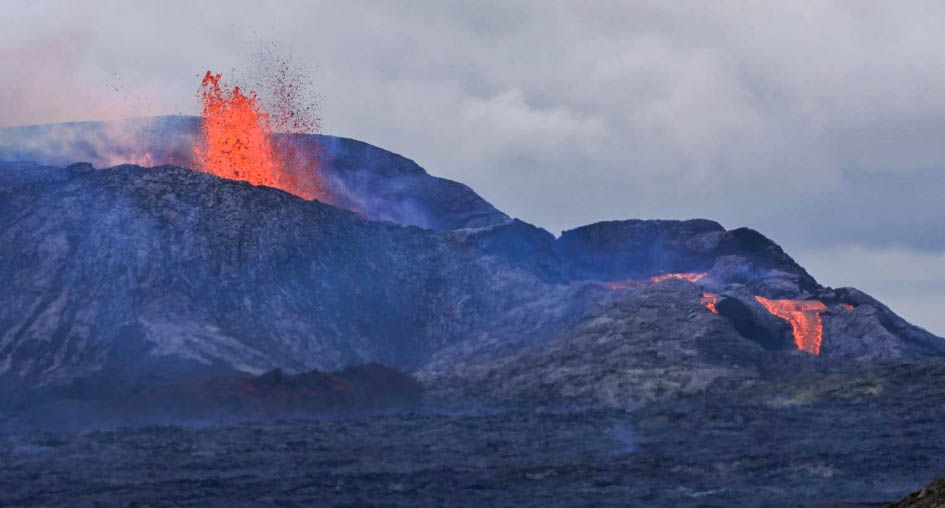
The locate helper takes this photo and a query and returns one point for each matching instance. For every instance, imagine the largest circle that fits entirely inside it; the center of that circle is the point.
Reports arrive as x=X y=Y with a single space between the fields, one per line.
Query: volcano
x=177 y=272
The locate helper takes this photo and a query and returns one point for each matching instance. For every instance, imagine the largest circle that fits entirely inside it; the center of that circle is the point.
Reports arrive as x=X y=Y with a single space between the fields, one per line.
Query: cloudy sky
x=821 y=124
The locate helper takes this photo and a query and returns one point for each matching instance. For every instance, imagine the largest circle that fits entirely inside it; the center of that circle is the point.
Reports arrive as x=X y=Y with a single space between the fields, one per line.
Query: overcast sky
x=821 y=124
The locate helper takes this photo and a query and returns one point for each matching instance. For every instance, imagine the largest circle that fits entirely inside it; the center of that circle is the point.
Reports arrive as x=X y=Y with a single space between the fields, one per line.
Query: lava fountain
x=238 y=143
x=804 y=317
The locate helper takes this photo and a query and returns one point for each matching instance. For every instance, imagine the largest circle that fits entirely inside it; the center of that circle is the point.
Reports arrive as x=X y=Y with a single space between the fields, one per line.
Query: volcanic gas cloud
x=238 y=143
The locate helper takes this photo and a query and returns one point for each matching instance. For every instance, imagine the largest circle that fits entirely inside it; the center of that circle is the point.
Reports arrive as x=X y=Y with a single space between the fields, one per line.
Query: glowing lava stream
x=709 y=300
x=804 y=317
x=691 y=277
x=656 y=279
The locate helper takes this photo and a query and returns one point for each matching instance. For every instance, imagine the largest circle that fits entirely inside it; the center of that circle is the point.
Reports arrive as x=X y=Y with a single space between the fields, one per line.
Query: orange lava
x=804 y=317
x=847 y=306
x=709 y=300
x=237 y=142
x=691 y=277
x=614 y=286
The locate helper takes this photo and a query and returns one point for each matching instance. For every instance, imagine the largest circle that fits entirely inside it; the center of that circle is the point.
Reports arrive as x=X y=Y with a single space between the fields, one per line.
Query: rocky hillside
x=154 y=275
x=112 y=267
x=931 y=496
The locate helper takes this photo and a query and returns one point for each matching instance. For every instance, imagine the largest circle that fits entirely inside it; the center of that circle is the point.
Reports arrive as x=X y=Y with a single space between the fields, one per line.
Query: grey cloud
x=909 y=282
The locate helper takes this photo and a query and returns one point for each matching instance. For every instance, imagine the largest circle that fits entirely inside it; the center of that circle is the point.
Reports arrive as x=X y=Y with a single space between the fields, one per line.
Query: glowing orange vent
x=709 y=300
x=804 y=317
x=691 y=277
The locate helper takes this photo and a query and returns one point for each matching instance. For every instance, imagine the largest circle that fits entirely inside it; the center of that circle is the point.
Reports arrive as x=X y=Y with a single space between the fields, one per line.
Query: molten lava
x=238 y=143
x=804 y=317
x=709 y=300
x=691 y=277
x=847 y=306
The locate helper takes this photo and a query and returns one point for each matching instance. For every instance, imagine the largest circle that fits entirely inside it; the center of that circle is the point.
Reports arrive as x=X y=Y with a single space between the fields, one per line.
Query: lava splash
x=804 y=317
x=238 y=144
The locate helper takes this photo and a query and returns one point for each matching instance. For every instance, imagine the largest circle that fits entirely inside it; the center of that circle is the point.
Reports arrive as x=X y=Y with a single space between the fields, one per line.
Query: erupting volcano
x=804 y=317
x=238 y=143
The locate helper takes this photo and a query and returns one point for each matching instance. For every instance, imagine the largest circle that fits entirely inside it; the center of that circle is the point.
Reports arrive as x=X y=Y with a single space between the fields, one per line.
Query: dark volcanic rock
x=753 y=321
x=641 y=345
x=870 y=330
x=116 y=266
x=638 y=249
x=797 y=439
x=521 y=245
x=88 y=403
x=277 y=394
x=931 y=496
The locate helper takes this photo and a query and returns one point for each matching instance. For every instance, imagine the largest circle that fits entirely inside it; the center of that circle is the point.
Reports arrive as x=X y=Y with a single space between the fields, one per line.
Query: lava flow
x=691 y=277
x=804 y=317
x=709 y=300
x=238 y=142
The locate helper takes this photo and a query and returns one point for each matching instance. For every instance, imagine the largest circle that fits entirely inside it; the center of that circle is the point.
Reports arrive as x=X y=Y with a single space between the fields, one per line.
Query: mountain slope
x=111 y=264
x=150 y=276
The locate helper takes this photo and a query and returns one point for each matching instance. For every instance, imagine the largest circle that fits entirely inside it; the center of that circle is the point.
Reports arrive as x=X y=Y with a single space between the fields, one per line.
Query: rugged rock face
x=111 y=264
x=637 y=249
x=931 y=496
x=638 y=346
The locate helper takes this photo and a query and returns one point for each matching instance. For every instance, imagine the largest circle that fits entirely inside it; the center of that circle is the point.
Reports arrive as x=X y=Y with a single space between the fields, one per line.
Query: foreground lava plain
x=836 y=439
